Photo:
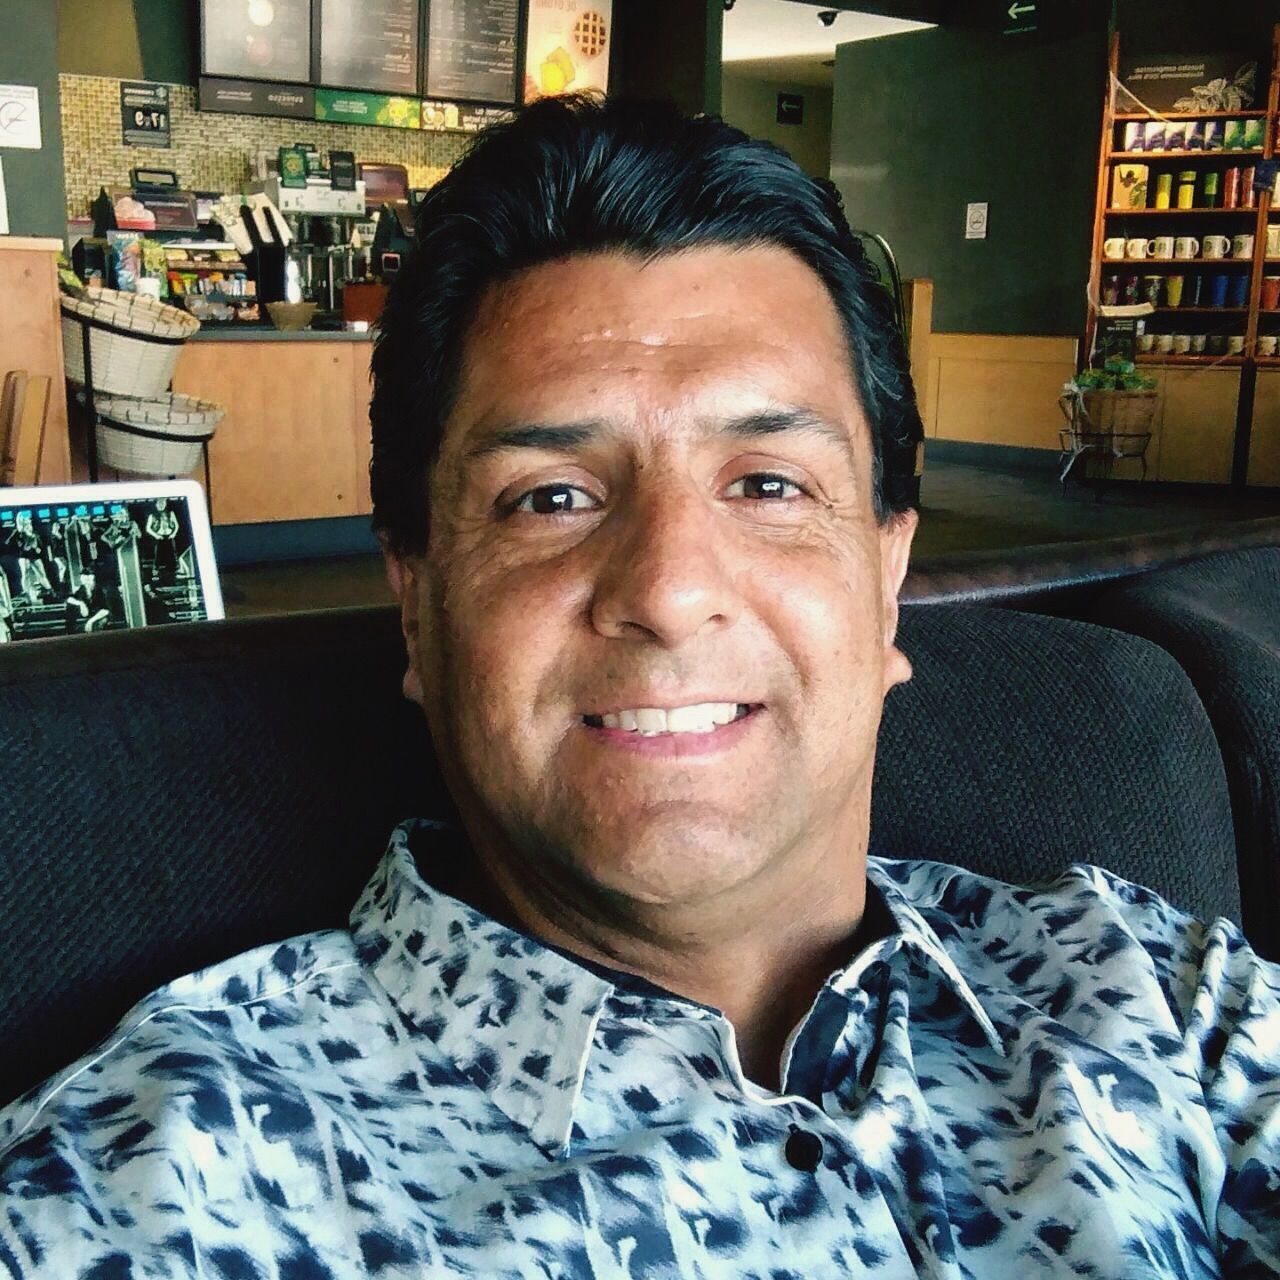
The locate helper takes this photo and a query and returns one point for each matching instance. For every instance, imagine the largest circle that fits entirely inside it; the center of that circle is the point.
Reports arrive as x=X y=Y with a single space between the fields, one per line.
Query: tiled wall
x=214 y=152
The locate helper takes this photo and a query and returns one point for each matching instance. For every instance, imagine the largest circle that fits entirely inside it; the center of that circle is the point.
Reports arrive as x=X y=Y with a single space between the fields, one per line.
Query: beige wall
x=751 y=105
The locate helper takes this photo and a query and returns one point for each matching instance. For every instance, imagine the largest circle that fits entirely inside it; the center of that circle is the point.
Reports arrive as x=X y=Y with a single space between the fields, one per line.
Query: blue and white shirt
x=1066 y=1080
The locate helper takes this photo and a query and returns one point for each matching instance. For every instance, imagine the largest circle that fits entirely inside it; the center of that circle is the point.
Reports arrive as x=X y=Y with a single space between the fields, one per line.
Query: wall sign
x=1176 y=82
x=567 y=48
x=144 y=114
x=1021 y=17
x=471 y=50
x=975 y=221
x=370 y=44
x=340 y=107
x=791 y=108
x=20 y=116
x=257 y=98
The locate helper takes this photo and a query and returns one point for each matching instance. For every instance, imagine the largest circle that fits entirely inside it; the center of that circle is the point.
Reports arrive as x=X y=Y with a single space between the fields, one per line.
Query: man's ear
x=405 y=575
x=895 y=551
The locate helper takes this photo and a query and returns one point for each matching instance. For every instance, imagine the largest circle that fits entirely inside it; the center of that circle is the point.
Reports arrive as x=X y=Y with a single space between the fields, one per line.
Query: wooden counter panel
x=361 y=391
x=1264 y=440
x=1195 y=430
x=31 y=338
x=289 y=446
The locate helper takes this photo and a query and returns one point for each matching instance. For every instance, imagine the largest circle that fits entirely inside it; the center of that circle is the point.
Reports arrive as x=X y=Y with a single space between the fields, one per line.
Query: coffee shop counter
x=294 y=443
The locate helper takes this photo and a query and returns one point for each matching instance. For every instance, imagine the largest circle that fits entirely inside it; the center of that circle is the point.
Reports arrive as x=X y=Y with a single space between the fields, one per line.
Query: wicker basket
x=1122 y=412
x=158 y=437
x=133 y=341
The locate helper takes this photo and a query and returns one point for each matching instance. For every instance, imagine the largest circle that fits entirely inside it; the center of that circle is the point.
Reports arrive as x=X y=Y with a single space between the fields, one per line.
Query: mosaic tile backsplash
x=215 y=152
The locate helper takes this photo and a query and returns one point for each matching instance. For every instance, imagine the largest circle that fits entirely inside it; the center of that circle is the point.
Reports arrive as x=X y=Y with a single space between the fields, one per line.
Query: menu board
x=567 y=48
x=471 y=50
x=256 y=39
x=370 y=44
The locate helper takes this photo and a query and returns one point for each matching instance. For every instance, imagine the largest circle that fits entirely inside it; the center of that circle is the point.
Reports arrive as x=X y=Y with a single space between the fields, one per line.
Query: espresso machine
x=321 y=258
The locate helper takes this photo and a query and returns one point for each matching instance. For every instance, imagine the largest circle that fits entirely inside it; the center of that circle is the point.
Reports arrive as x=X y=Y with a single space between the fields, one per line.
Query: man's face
x=654 y=492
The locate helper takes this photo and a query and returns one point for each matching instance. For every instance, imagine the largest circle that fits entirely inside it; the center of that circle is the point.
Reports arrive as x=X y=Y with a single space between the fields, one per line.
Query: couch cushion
x=180 y=795
x=1025 y=743
x=1220 y=618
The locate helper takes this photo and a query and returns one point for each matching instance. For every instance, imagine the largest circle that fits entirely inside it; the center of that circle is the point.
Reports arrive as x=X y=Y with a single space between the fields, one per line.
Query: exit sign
x=791 y=108
x=1020 y=17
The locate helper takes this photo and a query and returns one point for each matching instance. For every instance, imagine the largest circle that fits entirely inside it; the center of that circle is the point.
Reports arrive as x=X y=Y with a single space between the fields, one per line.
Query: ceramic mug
x=1186 y=247
x=1235 y=344
x=1242 y=247
x=1164 y=344
x=1197 y=344
x=1162 y=247
x=1113 y=249
x=1216 y=247
x=1173 y=290
x=1137 y=248
x=1217 y=344
x=1273 y=240
x=1146 y=343
x=1181 y=344
x=1267 y=345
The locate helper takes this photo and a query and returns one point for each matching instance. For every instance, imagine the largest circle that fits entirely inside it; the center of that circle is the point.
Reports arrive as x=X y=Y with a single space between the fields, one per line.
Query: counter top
x=269 y=333
x=45 y=244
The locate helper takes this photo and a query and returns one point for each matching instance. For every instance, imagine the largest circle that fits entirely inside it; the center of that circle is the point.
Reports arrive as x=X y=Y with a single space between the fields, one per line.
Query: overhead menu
x=370 y=44
x=256 y=39
x=471 y=50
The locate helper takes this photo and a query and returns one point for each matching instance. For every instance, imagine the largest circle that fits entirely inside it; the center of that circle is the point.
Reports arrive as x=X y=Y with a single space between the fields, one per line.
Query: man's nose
x=667 y=575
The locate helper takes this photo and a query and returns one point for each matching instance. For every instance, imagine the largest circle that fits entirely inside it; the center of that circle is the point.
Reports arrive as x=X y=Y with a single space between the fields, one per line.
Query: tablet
x=83 y=558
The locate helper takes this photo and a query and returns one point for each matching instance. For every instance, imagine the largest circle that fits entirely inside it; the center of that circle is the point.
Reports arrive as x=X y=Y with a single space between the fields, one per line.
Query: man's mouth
x=653 y=722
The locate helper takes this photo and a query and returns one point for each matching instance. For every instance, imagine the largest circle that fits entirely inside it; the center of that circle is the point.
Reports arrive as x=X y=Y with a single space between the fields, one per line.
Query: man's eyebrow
x=564 y=437
x=559 y=438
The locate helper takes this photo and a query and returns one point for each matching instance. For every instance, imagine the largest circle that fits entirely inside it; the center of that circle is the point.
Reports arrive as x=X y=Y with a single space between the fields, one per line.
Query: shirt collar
x=918 y=933
x=516 y=1017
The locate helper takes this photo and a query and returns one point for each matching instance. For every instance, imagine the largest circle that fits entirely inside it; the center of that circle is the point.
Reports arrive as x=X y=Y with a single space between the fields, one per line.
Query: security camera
x=828 y=16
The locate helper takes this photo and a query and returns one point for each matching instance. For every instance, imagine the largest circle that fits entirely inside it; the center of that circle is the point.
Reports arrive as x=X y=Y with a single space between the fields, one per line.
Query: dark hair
x=576 y=174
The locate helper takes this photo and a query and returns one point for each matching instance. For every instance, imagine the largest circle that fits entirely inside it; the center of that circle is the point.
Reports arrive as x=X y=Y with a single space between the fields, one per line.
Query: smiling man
x=642 y=435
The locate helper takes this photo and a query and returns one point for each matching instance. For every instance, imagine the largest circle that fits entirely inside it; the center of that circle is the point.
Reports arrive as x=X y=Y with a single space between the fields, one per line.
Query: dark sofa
x=175 y=796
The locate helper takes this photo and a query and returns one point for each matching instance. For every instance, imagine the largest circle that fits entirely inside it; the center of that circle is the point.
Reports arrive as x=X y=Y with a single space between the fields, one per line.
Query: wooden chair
x=24 y=411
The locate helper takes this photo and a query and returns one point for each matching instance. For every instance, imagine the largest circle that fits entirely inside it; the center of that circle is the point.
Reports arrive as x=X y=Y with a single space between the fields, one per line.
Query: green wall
x=33 y=179
x=926 y=122
x=131 y=39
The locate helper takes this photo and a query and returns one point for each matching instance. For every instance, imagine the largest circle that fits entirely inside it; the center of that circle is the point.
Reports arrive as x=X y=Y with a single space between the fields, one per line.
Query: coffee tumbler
x=1231 y=188
x=1187 y=189
x=1211 y=190
x=1164 y=190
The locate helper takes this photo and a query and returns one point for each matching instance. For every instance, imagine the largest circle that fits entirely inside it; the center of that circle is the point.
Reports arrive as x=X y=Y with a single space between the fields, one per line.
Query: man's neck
x=760 y=958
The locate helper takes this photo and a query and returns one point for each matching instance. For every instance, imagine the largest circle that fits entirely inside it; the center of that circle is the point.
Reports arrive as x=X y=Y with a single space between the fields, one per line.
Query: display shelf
x=1155 y=156
x=1191 y=360
x=1178 y=213
x=1189 y=115
x=1203 y=311
x=1188 y=264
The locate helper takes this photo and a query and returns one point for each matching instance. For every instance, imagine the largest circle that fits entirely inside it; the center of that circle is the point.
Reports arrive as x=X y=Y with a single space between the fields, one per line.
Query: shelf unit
x=1249 y=321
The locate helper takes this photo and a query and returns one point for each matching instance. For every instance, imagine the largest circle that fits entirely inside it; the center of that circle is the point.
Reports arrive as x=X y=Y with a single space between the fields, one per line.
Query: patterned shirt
x=1071 y=1079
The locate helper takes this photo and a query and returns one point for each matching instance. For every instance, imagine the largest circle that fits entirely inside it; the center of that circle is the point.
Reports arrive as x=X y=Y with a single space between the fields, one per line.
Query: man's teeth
x=651 y=721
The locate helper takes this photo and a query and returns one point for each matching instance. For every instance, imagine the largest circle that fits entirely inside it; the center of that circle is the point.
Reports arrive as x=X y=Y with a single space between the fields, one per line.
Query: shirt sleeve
x=1226 y=999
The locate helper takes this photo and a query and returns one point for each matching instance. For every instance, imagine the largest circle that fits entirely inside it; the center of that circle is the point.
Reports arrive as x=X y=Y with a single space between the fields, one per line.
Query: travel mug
x=1217 y=296
x=1212 y=191
x=1130 y=290
x=1164 y=190
x=1151 y=286
x=1187 y=189
x=1173 y=290
x=1270 y=293
x=1192 y=290
x=1111 y=291
x=1231 y=188
x=1238 y=290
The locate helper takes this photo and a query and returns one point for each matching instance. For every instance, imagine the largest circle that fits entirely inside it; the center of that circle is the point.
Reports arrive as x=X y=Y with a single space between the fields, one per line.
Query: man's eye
x=761 y=485
x=553 y=500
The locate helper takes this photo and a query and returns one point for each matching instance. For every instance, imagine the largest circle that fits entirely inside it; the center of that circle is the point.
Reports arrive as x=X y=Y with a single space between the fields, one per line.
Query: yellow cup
x=1164 y=190
x=1173 y=290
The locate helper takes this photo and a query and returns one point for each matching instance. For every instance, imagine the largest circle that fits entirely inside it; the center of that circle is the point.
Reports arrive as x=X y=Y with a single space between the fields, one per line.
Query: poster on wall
x=567 y=49
x=1178 y=83
x=20 y=116
x=257 y=98
x=471 y=50
x=144 y=114
x=341 y=106
x=370 y=44
x=256 y=39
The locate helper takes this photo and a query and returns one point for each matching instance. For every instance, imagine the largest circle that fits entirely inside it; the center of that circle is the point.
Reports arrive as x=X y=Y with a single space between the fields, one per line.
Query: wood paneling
x=1264 y=442
x=31 y=336
x=291 y=446
x=361 y=390
x=995 y=389
x=1195 y=425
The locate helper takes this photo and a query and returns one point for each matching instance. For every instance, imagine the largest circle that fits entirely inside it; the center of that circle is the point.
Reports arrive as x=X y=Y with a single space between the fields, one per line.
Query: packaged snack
x=124 y=249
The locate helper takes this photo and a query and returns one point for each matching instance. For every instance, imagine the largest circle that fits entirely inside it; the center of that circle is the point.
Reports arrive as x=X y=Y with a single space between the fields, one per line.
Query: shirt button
x=803 y=1150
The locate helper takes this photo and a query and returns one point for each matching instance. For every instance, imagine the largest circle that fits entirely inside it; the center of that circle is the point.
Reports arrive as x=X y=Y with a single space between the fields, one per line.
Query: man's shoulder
x=266 y=1005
